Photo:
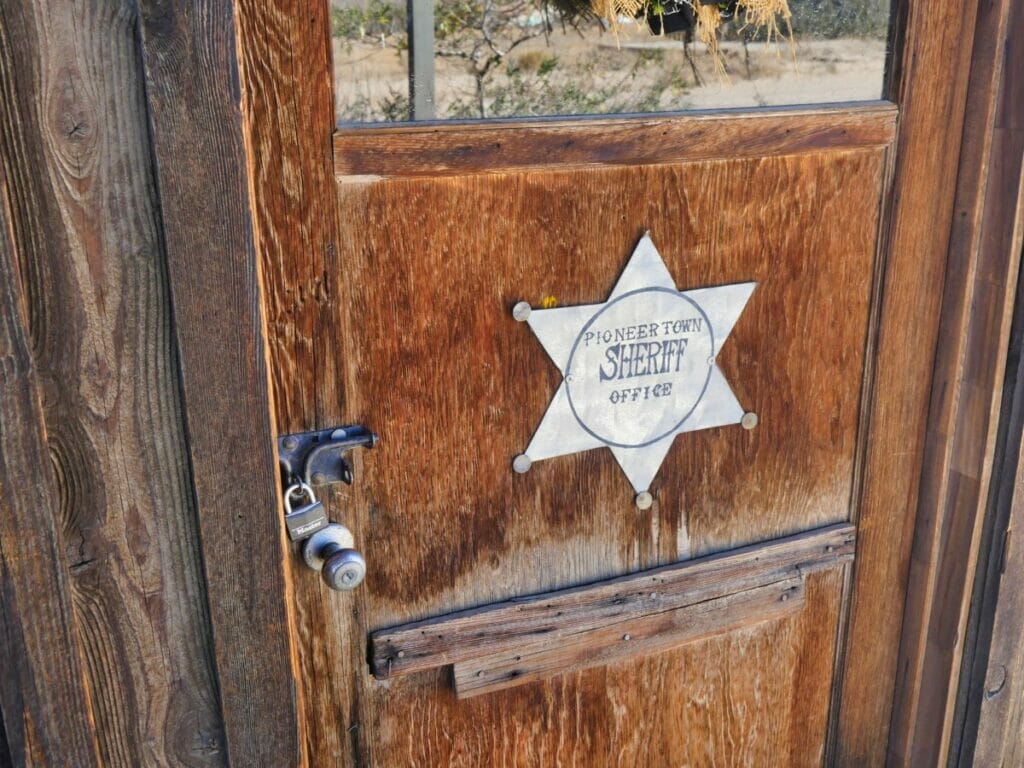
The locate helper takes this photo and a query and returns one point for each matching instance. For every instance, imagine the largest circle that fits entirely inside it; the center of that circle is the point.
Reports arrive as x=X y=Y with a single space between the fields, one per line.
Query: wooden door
x=422 y=346
x=510 y=619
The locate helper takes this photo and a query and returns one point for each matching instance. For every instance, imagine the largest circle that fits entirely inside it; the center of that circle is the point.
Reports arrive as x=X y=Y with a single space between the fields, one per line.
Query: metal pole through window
x=421 y=59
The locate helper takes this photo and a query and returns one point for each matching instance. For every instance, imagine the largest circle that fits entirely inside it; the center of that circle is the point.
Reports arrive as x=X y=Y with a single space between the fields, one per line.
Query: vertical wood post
x=86 y=227
x=43 y=698
x=990 y=714
x=928 y=80
x=980 y=281
x=195 y=101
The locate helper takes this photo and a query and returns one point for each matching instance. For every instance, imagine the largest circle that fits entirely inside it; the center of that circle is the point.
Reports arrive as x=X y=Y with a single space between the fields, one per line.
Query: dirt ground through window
x=593 y=72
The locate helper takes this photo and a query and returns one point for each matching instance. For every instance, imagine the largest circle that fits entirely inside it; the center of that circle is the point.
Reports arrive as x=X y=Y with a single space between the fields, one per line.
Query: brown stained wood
x=967 y=388
x=629 y=638
x=409 y=151
x=362 y=334
x=987 y=729
x=754 y=697
x=934 y=46
x=462 y=535
x=557 y=617
x=285 y=60
x=286 y=75
x=995 y=704
x=435 y=363
x=44 y=705
x=441 y=369
x=195 y=106
x=84 y=216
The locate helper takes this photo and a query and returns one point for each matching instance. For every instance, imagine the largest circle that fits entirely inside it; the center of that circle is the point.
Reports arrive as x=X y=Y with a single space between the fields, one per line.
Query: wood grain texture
x=453 y=531
x=422 y=331
x=631 y=638
x=286 y=76
x=555 y=617
x=195 y=106
x=453 y=356
x=934 y=45
x=986 y=731
x=994 y=700
x=992 y=682
x=285 y=56
x=441 y=149
x=84 y=214
x=758 y=696
x=977 y=307
x=43 y=691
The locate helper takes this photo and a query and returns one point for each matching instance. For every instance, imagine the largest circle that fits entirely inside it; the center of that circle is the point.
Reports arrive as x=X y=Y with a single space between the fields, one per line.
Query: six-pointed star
x=638 y=369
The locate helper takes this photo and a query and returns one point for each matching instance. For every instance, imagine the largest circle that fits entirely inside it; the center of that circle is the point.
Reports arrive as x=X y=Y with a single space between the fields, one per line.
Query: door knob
x=331 y=551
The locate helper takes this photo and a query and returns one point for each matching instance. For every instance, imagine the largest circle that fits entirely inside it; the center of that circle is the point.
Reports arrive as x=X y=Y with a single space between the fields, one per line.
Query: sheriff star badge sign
x=638 y=369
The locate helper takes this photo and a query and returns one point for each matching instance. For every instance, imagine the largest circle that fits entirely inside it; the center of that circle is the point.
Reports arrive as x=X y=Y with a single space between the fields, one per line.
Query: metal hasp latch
x=318 y=458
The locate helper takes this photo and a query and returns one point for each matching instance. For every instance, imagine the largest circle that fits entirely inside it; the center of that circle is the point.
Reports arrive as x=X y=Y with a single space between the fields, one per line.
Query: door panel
x=754 y=697
x=417 y=341
x=457 y=387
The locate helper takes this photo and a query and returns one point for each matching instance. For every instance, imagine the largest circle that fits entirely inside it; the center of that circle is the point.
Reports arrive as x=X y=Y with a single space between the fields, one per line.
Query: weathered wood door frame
x=985 y=730
x=967 y=389
x=223 y=141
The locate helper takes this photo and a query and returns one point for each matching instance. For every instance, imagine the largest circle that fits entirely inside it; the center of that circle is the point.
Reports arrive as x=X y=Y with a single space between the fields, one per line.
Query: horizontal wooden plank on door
x=629 y=639
x=558 y=617
x=409 y=151
x=676 y=707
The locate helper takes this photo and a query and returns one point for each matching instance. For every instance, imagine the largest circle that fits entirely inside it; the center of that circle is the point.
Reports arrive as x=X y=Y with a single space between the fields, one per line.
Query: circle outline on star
x=607 y=306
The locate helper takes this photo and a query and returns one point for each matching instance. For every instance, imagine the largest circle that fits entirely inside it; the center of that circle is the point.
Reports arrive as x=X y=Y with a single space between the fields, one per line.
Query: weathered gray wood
x=85 y=217
x=549 y=617
x=630 y=638
x=195 y=106
x=42 y=684
x=980 y=282
x=990 y=714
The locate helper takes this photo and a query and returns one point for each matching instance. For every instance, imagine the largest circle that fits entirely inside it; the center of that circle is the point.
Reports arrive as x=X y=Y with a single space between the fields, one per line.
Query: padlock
x=307 y=519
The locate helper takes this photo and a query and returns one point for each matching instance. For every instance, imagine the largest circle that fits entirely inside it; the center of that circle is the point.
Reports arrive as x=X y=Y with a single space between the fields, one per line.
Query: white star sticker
x=638 y=369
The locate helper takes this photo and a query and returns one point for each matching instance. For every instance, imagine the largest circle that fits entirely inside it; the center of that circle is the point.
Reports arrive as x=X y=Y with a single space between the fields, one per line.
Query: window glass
x=471 y=59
